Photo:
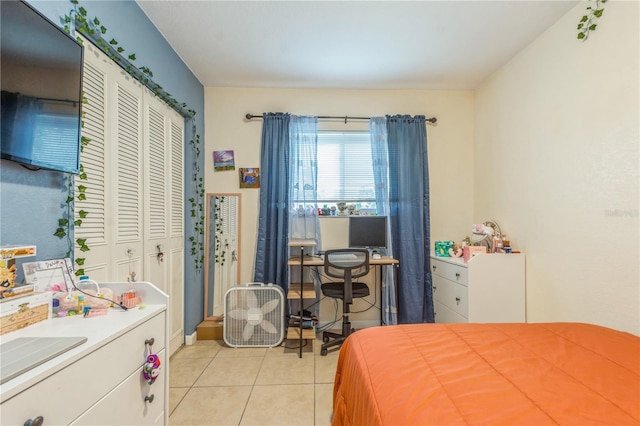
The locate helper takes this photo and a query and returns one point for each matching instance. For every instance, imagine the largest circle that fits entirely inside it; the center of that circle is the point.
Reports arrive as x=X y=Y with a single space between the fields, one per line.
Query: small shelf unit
x=300 y=291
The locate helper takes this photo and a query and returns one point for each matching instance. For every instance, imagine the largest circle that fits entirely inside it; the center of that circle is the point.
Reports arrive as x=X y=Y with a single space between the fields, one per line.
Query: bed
x=497 y=374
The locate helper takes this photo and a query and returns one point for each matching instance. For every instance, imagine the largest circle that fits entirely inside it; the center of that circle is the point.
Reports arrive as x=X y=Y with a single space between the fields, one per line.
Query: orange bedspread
x=495 y=374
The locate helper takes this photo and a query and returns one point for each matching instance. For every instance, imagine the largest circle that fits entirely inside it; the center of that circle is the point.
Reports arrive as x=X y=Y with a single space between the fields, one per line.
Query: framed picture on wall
x=250 y=177
x=223 y=160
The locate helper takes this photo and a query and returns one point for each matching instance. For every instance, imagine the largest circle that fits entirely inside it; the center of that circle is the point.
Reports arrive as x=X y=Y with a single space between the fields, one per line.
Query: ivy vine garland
x=588 y=21
x=93 y=30
x=220 y=251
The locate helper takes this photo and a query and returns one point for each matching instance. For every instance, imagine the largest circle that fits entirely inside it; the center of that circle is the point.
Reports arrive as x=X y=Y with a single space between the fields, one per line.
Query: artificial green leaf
x=82 y=188
x=63 y=222
x=120 y=49
x=69 y=200
x=581 y=36
x=83 y=214
x=79 y=272
x=60 y=233
x=103 y=30
x=113 y=41
x=77 y=222
x=580 y=26
x=592 y=27
x=82 y=197
x=132 y=57
x=80 y=261
x=81 y=241
x=598 y=13
x=82 y=11
x=96 y=21
x=584 y=18
x=84 y=248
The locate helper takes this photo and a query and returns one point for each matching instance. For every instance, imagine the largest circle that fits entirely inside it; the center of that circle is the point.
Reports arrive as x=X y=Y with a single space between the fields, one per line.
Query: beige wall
x=557 y=166
x=450 y=145
x=548 y=147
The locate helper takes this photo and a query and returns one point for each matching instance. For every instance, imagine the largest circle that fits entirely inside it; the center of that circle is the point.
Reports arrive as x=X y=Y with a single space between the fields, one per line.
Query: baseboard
x=190 y=339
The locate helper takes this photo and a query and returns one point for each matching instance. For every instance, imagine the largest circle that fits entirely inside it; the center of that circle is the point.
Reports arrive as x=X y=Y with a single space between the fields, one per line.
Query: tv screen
x=368 y=231
x=41 y=79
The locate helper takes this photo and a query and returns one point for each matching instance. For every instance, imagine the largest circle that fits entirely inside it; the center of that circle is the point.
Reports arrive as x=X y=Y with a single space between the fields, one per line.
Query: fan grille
x=254 y=316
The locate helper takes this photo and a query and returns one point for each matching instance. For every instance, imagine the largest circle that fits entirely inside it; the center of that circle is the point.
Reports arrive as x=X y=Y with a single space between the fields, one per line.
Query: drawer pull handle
x=433 y=267
x=38 y=421
x=457 y=275
x=149 y=341
x=457 y=300
x=148 y=398
x=434 y=288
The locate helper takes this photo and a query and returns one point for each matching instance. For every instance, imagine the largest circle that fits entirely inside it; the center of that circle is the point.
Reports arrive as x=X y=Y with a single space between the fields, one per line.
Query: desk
x=383 y=261
x=319 y=261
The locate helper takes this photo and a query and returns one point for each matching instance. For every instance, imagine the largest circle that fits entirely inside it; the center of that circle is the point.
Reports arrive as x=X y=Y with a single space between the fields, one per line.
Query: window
x=59 y=132
x=345 y=171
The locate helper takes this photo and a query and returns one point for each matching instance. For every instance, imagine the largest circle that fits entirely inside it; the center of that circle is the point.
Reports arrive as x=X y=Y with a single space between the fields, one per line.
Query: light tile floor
x=213 y=384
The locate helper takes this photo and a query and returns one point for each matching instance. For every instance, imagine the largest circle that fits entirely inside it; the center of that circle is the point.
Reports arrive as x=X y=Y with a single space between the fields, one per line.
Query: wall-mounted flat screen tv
x=41 y=73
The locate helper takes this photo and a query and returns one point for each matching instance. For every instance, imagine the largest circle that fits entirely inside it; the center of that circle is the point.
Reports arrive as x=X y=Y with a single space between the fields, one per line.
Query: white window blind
x=345 y=170
x=56 y=130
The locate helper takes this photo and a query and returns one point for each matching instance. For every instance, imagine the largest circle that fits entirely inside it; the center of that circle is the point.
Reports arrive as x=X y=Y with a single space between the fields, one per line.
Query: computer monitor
x=368 y=231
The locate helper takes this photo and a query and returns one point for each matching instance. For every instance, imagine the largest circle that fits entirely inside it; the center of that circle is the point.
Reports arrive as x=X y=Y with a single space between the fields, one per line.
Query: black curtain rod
x=432 y=120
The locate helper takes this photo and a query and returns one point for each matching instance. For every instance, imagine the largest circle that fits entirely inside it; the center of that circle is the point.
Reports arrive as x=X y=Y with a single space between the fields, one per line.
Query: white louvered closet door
x=95 y=228
x=134 y=187
x=164 y=211
x=113 y=163
x=126 y=165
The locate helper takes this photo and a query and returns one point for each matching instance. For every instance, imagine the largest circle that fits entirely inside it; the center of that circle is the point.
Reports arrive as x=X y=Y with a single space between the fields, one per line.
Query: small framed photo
x=49 y=275
x=250 y=177
x=223 y=160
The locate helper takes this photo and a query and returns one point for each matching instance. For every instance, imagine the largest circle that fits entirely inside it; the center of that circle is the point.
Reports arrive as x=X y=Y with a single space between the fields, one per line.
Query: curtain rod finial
x=248 y=116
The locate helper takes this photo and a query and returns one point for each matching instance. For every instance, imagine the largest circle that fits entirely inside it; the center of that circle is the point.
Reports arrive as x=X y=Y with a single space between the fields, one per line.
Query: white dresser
x=99 y=382
x=489 y=288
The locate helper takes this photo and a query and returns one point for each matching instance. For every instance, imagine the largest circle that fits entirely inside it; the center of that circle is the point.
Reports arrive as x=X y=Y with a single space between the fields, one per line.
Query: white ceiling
x=350 y=44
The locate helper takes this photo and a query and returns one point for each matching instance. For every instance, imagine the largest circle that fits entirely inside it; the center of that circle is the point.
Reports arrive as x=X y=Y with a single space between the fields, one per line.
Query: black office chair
x=346 y=264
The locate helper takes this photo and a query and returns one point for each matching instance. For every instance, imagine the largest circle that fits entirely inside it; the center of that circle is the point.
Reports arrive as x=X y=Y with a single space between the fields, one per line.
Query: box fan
x=254 y=316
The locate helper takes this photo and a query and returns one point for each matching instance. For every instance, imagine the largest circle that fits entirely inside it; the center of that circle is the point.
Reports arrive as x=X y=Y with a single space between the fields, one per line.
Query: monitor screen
x=368 y=231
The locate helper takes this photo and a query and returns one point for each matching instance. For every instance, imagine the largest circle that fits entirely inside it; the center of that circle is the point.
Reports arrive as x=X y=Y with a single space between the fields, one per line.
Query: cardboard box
x=22 y=311
x=11 y=252
x=210 y=330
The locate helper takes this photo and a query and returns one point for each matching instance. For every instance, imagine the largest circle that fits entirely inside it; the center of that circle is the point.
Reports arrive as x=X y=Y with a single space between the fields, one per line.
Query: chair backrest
x=343 y=263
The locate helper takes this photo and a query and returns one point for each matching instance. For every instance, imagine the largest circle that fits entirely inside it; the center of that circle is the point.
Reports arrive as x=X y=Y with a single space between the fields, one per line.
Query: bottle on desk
x=80 y=304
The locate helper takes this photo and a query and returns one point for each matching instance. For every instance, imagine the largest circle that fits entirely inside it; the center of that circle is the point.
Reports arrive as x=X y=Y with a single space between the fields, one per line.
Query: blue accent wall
x=31 y=202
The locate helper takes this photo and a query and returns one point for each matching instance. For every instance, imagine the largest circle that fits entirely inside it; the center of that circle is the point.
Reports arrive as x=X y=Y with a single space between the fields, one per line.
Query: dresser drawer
x=450 y=271
x=452 y=295
x=445 y=315
x=126 y=404
x=60 y=398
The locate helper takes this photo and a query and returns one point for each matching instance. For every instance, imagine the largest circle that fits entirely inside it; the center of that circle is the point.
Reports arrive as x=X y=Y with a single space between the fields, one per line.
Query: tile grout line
x=253 y=387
